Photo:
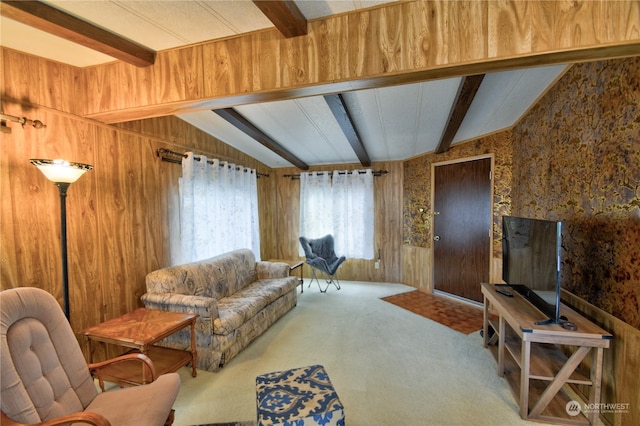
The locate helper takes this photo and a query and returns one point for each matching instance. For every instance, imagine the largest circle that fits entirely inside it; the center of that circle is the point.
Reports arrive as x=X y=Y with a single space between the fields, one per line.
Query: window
x=218 y=209
x=340 y=204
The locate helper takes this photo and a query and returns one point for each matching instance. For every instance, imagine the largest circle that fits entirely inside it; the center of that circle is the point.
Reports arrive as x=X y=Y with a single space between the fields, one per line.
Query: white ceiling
x=394 y=123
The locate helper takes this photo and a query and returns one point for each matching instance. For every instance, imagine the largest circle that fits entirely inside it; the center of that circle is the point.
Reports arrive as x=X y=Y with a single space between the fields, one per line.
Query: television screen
x=531 y=261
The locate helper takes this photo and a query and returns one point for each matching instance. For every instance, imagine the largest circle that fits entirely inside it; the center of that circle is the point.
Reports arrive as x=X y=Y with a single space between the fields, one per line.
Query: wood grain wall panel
x=619 y=20
x=417 y=270
x=511 y=23
x=228 y=65
x=294 y=61
x=178 y=75
x=265 y=62
x=100 y=89
x=46 y=78
x=396 y=43
x=269 y=241
x=29 y=79
x=559 y=25
x=621 y=362
x=28 y=245
x=390 y=40
x=287 y=220
x=17 y=79
x=117 y=223
x=468 y=35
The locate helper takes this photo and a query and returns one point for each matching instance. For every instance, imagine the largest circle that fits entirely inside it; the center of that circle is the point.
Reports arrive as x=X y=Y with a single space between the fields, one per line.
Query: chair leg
x=313 y=277
x=334 y=281
x=169 y=421
x=331 y=279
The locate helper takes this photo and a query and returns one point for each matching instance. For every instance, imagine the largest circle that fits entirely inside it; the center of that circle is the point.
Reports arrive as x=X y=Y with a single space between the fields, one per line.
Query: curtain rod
x=376 y=173
x=169 y=156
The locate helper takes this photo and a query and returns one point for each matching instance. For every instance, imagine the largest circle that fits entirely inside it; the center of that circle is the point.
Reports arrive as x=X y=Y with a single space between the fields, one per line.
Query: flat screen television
x=531 y=262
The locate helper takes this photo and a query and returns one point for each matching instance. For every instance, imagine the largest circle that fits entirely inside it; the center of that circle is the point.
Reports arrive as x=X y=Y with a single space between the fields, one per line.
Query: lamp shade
x=61 y=171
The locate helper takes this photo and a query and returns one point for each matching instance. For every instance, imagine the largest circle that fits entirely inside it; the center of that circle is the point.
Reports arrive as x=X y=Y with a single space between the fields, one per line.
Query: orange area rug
x=459 y=316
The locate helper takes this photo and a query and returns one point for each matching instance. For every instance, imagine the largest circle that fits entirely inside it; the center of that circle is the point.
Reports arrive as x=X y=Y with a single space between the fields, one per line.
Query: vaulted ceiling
x=360 y=126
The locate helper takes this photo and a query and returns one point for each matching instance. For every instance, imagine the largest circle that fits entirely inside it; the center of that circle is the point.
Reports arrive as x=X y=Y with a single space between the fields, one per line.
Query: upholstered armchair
x=320 y=255
x=46 y=380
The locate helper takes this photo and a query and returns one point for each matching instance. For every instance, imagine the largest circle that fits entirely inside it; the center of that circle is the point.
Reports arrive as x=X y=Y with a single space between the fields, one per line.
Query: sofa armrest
x=206 y=307
x=267 y=270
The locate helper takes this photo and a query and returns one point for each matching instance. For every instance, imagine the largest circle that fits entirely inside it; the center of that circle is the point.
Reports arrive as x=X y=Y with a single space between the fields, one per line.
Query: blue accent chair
x=320 y=255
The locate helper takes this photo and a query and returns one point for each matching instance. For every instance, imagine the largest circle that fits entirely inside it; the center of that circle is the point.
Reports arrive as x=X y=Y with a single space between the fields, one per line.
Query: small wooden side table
x=139 y=330
x=293 y=264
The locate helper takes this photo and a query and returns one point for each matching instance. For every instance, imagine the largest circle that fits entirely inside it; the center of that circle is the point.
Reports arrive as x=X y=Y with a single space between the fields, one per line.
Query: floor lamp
x=62 y=173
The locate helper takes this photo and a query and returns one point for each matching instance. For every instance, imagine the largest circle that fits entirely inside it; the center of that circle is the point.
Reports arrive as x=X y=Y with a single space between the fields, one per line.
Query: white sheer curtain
x=353 y=213
x=342 y=205
x=316 y=205
x=218 y=208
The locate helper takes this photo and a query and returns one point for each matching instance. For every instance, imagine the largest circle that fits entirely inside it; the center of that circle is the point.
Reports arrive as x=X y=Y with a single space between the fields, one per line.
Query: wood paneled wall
x=120 y=216
x=395 y=43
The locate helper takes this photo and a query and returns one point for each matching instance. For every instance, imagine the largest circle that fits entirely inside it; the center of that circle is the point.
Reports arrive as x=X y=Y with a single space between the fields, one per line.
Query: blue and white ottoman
x=298 y=397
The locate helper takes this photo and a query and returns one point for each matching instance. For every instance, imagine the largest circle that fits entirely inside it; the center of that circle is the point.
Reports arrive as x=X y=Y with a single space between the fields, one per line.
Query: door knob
x=436 y=238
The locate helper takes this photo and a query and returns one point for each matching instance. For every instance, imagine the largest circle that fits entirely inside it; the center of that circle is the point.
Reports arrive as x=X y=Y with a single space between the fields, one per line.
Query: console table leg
x=501 y=339
x=524 y=379
x=596 y=383
x=485 y=323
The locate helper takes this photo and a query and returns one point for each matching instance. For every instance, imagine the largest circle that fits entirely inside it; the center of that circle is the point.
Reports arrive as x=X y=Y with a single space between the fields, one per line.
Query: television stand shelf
x=530 y=358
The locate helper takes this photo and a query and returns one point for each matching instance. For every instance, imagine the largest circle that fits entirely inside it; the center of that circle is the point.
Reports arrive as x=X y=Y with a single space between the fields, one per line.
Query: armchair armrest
x=80 y=417
x=145 y=360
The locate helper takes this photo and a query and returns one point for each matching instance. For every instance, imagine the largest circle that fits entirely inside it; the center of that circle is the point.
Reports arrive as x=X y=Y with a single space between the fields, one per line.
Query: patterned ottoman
x=298 y=397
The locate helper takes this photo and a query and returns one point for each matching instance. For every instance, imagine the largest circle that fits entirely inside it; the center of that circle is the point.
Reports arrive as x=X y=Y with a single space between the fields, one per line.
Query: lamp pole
x=62 y=187
x=62 y=173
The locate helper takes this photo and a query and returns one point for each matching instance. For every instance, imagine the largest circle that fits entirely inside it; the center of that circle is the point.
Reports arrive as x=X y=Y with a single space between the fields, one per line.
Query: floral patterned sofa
x=236 y=297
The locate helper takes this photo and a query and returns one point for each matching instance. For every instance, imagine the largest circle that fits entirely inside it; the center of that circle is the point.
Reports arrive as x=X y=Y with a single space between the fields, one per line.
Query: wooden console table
x=139 y=330
x=530 y=358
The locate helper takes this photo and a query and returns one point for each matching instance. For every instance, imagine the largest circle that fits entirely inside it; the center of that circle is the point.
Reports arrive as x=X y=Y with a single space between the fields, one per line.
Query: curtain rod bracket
x=37 y=124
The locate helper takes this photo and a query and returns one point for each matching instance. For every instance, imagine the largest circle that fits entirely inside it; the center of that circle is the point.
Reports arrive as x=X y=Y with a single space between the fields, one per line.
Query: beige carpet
x=460 y=316
x=388 y=365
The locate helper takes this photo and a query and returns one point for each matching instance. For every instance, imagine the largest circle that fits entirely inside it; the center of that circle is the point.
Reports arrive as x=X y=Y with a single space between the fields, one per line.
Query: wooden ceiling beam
x=342 y=115
x=285 y=15
x=235 y=118
x=68 y=27
x=466 y=92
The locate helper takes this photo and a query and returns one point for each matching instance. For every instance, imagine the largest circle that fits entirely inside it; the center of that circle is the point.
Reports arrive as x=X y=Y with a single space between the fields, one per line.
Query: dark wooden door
x=461 y=227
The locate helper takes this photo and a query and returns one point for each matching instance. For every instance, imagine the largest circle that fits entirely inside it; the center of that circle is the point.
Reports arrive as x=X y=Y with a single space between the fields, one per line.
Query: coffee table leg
x=194 y=352
x=90 y=354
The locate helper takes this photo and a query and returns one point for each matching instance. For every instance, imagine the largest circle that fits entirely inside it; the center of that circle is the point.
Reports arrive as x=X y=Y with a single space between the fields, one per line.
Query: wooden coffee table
x=139 y=330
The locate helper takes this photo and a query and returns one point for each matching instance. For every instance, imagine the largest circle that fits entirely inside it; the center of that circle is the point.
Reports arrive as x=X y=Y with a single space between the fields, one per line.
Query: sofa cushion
x=269 y=289
x=240 y=266
x=234 y=311
x=216 y=277
x=203 y=278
